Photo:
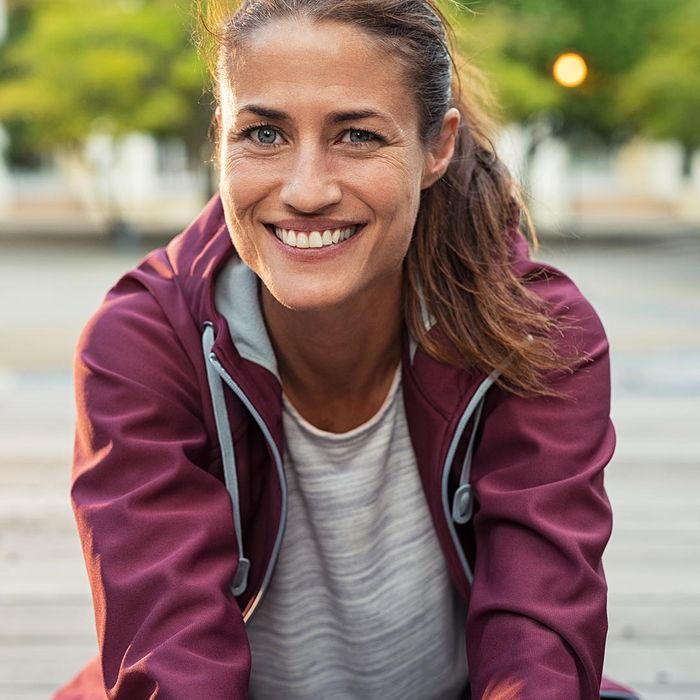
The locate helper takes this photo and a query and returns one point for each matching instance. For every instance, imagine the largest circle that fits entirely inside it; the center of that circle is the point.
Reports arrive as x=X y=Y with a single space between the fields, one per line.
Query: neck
x=337 y=365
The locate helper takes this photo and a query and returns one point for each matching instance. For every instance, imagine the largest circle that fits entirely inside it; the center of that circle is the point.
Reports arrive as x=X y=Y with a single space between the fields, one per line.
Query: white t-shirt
x=360 y=605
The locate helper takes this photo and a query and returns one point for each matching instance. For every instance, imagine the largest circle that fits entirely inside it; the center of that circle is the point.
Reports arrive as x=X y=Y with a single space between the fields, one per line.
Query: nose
x=310 y=186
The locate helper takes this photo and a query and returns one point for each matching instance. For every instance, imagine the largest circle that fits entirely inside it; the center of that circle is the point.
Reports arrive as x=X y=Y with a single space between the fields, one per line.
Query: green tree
x=484 y=37
x=660 y=97
x=126 y=65
x=517 y=41
x=130 y=65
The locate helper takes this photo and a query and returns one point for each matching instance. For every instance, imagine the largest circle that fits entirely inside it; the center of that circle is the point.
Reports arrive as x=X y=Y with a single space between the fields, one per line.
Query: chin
x=306 y=299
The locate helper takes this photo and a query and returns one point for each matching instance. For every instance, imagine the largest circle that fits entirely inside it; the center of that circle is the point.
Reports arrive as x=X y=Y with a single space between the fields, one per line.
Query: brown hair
x=457 y=269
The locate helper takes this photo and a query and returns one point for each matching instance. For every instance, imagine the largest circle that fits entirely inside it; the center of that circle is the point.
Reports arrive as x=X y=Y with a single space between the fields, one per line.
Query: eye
x=265 y=135
x=359 y=136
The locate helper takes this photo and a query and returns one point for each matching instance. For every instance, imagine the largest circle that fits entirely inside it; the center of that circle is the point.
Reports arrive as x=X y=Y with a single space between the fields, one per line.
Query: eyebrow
x=334 y=117
x=265 y=112
x=337 y=117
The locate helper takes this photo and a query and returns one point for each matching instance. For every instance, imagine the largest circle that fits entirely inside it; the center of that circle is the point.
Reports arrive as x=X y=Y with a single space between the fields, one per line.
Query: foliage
x=517 y=41
x=661 y=95
x=70 y=66
x=120 y=66
x=483 y=37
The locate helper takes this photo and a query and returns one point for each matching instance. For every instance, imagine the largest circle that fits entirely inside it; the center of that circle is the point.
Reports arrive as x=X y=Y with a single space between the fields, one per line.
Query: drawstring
x=463 y=501
x=228 y=457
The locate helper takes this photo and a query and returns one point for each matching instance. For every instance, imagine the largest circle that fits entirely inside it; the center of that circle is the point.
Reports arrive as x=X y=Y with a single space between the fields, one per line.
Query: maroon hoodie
x=163 y=519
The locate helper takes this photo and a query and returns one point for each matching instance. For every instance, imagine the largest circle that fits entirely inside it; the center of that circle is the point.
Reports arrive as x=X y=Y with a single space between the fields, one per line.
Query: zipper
x=459 y=512
x=463 y=503
x=257 y=598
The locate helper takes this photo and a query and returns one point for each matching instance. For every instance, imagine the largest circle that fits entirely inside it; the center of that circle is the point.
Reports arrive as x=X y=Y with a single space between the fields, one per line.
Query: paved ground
x=649 y=300
x=648 y=295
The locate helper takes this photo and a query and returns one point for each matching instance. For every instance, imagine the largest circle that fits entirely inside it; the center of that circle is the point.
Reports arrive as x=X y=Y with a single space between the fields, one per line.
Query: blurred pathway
x=649 y=299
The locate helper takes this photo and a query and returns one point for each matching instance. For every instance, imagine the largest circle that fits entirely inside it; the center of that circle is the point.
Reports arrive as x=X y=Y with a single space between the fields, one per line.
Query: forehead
x=299 y=64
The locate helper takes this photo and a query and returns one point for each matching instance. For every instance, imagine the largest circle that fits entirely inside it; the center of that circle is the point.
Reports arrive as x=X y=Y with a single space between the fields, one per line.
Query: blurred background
x=104 y=114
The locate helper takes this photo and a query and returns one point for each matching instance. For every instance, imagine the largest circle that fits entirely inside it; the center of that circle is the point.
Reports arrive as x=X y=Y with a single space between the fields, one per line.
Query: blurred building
x=637 y=188
x=148 y=186
x=135 y=182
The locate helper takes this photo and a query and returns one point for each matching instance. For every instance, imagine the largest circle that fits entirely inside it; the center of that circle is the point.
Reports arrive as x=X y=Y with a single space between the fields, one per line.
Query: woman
x=343 y=422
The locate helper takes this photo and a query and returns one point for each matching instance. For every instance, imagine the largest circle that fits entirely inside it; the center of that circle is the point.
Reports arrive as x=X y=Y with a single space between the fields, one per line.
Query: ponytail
x=459 y=270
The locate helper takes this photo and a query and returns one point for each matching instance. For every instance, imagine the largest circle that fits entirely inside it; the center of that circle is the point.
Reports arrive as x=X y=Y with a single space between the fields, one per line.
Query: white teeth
x=314 y=239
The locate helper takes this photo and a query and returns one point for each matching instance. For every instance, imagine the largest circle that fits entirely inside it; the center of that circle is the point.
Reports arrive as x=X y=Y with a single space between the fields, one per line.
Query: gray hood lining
x=238 y=300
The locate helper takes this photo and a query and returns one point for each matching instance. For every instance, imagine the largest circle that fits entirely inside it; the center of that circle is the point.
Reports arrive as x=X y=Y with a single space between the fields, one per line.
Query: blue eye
x=360 y=136
x=265 y=135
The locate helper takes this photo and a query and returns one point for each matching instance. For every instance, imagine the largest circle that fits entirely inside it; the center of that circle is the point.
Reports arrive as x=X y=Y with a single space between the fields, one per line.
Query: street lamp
x=570 y=69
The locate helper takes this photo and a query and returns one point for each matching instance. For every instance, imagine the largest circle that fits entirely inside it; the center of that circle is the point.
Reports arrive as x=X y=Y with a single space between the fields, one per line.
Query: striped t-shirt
x=360 y=605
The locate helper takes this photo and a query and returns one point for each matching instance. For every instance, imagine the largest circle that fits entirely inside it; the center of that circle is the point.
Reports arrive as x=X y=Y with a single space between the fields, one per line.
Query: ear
x=440 y=152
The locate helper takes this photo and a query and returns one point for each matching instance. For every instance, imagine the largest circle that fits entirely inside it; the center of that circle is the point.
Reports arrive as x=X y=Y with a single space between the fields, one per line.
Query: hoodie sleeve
x=537 y=617
x=156 y=527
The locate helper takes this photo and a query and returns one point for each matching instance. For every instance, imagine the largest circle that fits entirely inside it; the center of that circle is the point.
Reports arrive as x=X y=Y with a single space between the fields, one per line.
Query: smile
x=315 y=239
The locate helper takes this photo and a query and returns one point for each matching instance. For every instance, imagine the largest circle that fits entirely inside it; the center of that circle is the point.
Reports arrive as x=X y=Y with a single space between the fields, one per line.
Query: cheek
x=393 y=193
x=245 y=188
x=401 y=199
x=242 y=189
x=243 y=183
x=391 y=188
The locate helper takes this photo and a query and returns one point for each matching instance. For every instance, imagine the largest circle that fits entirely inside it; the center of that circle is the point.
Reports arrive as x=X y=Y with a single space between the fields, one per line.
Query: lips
x=319 y=238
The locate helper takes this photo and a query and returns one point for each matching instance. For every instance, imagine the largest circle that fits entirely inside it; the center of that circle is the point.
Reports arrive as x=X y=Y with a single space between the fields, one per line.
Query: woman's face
x=321 y=163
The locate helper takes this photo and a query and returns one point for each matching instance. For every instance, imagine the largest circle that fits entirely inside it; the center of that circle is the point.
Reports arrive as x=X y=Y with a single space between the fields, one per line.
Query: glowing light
x=570 y=69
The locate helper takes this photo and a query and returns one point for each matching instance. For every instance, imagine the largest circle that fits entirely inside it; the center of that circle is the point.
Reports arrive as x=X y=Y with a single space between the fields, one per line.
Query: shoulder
x=135 y=338
x=556 y=435
x=578 y=330
x=576 y=417
x=129 y=309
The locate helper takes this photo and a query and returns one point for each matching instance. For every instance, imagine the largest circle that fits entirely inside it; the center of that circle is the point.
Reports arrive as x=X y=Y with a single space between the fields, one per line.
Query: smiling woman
x=250 y=53
x=343 y=438
x=338 y=153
